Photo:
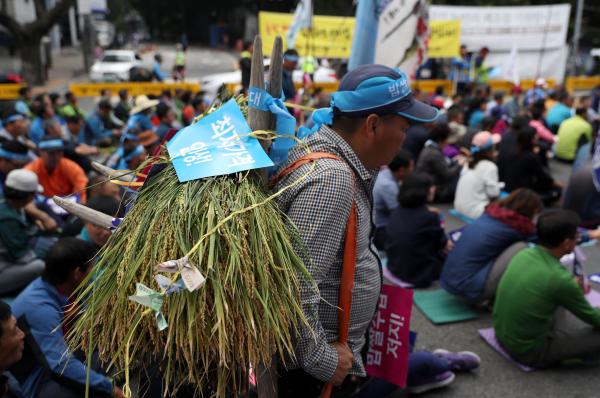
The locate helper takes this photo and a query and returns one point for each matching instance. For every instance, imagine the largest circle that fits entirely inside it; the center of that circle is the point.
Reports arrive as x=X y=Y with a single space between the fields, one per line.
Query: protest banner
x=444 y=41
x=539 y=32
x=218 y=144
x=402 y=35
x=389 y=336
x=330 y=37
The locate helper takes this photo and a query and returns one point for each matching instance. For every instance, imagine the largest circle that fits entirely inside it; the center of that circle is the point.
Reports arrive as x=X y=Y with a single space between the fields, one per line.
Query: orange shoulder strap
x=349 y=258
x=310 y=157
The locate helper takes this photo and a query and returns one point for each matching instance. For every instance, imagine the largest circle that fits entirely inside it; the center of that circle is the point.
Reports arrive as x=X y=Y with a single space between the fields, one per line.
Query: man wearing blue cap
x=14 y=127
x=290 y=61
x=362 y=130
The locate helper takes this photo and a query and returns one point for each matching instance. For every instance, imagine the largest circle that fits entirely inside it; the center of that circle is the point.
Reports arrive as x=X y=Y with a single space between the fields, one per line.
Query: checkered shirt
x=319 y=207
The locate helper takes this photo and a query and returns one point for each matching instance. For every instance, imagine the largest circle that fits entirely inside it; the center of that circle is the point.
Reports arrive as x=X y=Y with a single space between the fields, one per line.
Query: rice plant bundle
x=246 y=312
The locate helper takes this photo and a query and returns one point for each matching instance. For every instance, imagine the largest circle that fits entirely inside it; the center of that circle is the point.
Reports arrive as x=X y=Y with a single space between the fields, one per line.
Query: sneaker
x=437 y=381
x=459 y=361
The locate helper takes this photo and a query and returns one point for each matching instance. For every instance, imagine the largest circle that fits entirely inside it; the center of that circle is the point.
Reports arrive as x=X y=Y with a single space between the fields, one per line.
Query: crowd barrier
x=11 y=91
x=151 y=88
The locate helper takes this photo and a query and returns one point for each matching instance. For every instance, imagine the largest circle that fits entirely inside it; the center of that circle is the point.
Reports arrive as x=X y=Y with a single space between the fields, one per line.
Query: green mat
x=442 y=307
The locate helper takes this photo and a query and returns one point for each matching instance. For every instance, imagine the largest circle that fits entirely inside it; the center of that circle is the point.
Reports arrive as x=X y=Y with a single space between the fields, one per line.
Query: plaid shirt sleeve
x=320 y=209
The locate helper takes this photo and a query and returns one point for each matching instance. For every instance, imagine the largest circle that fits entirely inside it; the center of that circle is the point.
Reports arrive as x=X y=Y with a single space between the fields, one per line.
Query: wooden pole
x=266 y=376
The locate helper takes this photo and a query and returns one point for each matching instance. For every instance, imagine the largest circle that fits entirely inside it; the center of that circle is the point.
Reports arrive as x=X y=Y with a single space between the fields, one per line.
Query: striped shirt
x=319 y=207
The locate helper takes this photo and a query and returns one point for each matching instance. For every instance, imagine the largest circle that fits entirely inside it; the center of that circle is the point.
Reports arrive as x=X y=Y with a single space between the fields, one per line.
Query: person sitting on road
x=167 y=117
x=140 y=114
x=572 y=134
x=43 y=305
x=432 y=161
x=478 y=184
x=100 y=125
x=415 y=241
x=582 y=197
x=71 y=108
x=11 y=351
x=93 y=234
x=385 y=192
x=19 y=264
x=13 y=155
x=560 y=111
x=524 y=169
x=44 y=111
x=57 y=174
x=541 y=315
x=15 y=127
x=481 y=254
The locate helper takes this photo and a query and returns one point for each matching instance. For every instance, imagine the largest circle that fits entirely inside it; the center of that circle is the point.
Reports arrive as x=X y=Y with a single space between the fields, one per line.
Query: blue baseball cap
x=381 y=90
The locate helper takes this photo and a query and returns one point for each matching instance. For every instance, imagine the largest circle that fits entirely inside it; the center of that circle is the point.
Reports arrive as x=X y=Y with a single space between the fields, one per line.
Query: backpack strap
x=349 y=257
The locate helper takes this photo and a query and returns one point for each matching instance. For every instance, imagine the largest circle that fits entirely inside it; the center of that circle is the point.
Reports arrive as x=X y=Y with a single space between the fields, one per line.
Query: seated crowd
x=47 y=147
x=487 y=157
x=492 y=162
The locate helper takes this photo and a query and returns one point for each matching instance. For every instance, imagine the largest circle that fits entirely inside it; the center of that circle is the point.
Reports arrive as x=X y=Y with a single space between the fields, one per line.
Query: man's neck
x=352 y=140
x=556 y=252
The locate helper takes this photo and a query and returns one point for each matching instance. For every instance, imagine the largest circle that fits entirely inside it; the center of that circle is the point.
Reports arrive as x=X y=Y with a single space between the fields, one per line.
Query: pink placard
x=389 y=346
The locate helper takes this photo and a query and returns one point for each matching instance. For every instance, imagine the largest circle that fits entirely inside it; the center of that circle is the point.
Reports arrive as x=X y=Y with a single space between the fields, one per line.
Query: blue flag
x=218 y=144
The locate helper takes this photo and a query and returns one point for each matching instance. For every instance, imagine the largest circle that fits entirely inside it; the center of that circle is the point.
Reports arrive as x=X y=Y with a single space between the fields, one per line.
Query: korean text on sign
x=389 y=344
x=218 y=144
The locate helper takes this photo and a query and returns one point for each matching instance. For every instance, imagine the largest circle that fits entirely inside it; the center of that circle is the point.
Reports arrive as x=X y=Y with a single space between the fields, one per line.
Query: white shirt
x=476 y=187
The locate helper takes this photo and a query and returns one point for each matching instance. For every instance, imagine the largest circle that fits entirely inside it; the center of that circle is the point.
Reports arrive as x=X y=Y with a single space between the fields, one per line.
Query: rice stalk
x=248 y=310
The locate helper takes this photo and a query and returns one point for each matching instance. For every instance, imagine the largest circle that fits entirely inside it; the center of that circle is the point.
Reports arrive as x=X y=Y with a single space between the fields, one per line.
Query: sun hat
x=142 y=103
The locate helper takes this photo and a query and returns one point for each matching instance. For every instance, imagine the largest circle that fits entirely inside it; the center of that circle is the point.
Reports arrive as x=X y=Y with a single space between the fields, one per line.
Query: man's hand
x=48 y=224
x=345 y=359
x=594 y=234
x=86 y=150
x=118 y=393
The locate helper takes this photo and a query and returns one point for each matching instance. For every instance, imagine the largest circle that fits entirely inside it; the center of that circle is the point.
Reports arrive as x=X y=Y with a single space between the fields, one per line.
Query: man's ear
x=371 y=124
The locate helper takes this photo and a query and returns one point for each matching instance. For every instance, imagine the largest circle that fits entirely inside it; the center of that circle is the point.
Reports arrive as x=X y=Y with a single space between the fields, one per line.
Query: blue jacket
x=468 y=264
x=96 y=125
x=141 y=121
x=36 y=130
x=42 y=305
x=158 y=74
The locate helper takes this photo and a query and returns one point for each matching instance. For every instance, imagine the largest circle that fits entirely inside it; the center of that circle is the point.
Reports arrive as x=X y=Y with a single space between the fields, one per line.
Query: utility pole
x=577 y=35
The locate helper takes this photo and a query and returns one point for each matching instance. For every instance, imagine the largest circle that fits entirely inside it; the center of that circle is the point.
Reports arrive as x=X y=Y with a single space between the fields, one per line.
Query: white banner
x=539 y=33
x=401 y=35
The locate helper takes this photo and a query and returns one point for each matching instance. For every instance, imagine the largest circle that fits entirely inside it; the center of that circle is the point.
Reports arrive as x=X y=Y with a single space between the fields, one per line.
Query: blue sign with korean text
x=218 y=144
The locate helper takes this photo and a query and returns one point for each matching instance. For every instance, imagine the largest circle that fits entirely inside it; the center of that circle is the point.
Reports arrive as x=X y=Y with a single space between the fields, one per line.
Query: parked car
x=10 y=78
x=115 y=66
x=212 y=83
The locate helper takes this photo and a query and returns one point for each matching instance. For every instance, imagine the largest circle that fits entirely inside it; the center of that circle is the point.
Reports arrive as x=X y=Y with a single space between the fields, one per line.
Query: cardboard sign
x=218 y=144
x=389 y=341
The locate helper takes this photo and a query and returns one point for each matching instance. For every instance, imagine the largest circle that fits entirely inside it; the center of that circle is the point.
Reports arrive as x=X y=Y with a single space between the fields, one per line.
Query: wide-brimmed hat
x=142 y=103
